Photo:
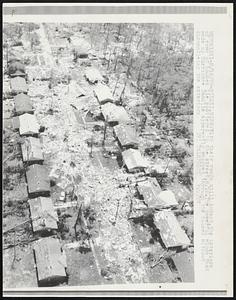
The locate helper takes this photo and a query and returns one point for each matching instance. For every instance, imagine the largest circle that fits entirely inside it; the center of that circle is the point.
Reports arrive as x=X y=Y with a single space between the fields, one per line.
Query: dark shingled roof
x=37 y=179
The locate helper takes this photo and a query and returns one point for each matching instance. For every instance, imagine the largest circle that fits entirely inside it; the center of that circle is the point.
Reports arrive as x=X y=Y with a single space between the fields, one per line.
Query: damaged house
x=28 y=125
x=103 y=93
x=154 y=197
x=38 y=181
x=43 y=216
x=171 y=233
x=18 y=85
x=50 y=262
x=134 y=160
x=32 y=150
x=22 y=104
x=114 y=114
x=126 y=136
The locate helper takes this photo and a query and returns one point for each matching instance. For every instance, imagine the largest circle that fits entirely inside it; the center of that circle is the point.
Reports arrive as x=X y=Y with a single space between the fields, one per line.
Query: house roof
x=28 y=124
x=184 y=263
x=32 y=150
x=93 y=75
x=22 y=104
x=18 y=85
x=167 y=199
x=171 y=233
x=49 y=259
x=115 y=113
x=43 y=215
x=133 y=160
x=126 y=135
x=103 y=93
x=149 y=190
x=37 y=179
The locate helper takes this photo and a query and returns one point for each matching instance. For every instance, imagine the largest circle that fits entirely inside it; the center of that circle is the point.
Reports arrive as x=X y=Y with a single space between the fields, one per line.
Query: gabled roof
x=50 y=261
x=171 y=233
x=103 y=93
x=184 y=263
x=43 y=215
x=22 y=104
x=126 y=135
x=114 y=113
x=32 y=150
x=18 y=85
x=37 y=179
x=133 y=160
x=28 y=124
x=167 y=199
x=149 y=190
x=93 y=75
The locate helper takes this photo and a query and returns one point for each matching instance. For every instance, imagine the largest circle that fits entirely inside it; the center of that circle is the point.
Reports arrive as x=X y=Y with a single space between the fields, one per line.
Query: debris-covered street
x=97 y=179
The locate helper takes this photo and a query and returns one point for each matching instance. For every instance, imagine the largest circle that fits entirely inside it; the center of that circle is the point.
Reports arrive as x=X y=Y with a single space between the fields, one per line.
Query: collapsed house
x=28 y=125
x=23 y=104
x=50 y=262
x=93 y=75
x=152 y=195
x=114 y=114
x=103 y=93
x=31 y=149
x=43 y=215
x=171 y=233
x=126 y=136
x=38 y=181
x=18 y=85
x=184 y=264
x=134 y=160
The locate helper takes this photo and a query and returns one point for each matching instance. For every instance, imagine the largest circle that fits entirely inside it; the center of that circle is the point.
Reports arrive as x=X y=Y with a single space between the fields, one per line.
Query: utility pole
x=105 y=130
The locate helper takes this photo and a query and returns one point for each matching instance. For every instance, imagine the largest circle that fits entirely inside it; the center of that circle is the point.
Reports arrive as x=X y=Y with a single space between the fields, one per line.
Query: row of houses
x=49 y=257
x=163 y=201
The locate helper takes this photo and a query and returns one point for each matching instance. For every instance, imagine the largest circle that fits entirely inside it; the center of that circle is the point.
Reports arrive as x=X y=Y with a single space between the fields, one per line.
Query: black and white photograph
x=97 y=154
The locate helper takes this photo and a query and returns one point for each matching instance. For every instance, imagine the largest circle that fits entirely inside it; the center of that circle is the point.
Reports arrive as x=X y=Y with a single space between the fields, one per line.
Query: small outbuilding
x=134 y=160
x=43 y=215
x=32 y=150
x=18 y=85
x=28 y=125
x=171 y=233
x=50 y=262
x=93 y=75
x=23 y=104
x=103 y=93
x=126 y=136
x=115 y=114
x=38 y=181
